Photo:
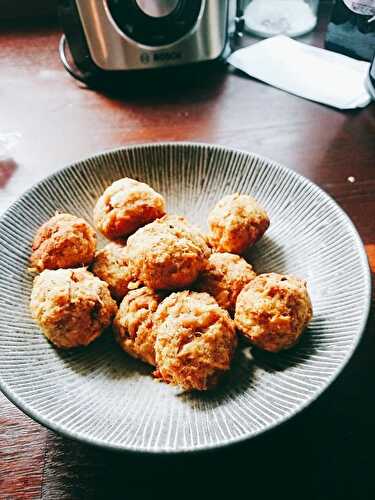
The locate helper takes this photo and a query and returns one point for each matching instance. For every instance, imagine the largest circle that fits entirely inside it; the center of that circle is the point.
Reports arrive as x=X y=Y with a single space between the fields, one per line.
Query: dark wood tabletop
x=49 y=120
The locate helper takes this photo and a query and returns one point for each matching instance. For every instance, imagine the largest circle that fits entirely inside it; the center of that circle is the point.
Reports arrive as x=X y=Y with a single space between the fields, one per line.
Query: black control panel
x=154 y=31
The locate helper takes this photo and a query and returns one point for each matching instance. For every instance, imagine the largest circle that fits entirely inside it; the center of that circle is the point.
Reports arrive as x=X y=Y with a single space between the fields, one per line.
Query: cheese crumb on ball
x=133 y=324
x=195 y=340
x=169 y=253
x=225 y=277
x=273 y=310
x=125 y=206
x=62 y=242
x=111 y=265
x=236 y=223
x=71 y=306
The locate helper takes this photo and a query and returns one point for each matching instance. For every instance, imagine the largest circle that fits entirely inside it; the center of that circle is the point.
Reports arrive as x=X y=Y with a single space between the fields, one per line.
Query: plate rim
x=100 y=443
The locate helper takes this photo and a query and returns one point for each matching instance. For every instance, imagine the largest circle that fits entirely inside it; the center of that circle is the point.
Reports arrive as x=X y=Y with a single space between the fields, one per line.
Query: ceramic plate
x=101 y=396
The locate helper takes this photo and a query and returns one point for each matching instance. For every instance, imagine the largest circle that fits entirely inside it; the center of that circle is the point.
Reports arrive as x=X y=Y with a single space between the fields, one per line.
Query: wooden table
x=47 y=121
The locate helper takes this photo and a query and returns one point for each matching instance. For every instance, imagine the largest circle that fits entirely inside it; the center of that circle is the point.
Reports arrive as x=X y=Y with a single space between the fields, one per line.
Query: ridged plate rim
x=38 y=417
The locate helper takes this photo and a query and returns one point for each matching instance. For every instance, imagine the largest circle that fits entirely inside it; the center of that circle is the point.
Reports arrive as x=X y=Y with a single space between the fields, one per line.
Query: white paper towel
x=309 y=72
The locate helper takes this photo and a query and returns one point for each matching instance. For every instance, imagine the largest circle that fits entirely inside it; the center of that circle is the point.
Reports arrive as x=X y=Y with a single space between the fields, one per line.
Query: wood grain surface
x=49 y=120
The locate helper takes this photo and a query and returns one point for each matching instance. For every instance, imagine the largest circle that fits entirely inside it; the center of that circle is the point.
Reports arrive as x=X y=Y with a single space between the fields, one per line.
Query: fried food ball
x=272 y=311
x=195 y=340
x=236 y=223
x=225 y=277
x=111 y=265
x=133 y=324
x=62 y=242
x=71 y=306
x=125 y=206
x=169 y=253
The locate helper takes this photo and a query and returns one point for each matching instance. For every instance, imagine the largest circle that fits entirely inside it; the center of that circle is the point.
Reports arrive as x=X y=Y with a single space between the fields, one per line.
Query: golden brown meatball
x=125 y=206
x=272 y=311
x=169 y=253
x=62 y=242
x=195 y=340
x=111 y=266
x=225 y=277
x=236 y=223
x=71 y=306
x=133 y=323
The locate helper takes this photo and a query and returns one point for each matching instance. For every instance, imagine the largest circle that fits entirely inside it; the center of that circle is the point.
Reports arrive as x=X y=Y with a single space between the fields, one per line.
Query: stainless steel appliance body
x=135 y=35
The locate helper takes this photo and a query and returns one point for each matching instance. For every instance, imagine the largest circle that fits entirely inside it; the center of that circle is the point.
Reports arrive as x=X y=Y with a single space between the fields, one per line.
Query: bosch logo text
x=160 y=57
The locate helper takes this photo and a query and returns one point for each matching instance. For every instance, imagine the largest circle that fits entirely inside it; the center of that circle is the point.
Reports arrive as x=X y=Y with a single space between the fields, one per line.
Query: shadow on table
x=178 y=83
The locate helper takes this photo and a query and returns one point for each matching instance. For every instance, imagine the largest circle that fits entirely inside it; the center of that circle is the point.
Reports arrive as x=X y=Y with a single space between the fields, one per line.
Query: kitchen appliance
x=110 y=37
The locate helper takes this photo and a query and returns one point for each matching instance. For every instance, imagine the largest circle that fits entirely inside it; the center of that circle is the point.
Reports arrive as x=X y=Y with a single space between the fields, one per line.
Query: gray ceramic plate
x=98 y=394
